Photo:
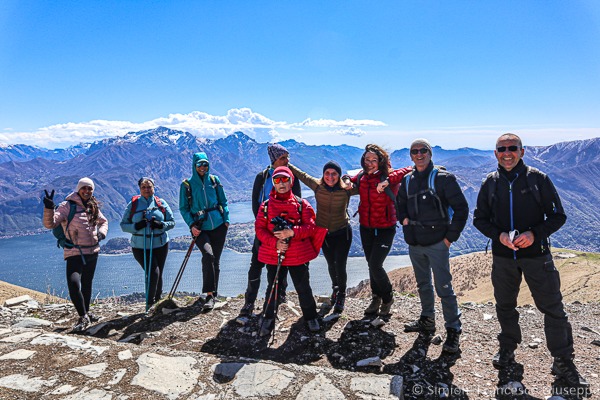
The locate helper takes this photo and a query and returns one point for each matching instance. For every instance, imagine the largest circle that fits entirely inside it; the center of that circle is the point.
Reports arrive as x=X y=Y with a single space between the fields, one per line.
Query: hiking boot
x=451 y=345
x=386 y=308
x=423 y=324
x=209 y=303
x=340 y=301
x=334 y=295
x=246 y=311
x=373 y=308
x=82 y=324
x=503 y=358
x=563 y=367
x=93 y=317
x=266 y=327
x=313 y=325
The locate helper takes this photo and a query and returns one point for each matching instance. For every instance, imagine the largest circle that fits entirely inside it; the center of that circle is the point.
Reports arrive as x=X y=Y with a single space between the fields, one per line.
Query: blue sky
x=459 y=73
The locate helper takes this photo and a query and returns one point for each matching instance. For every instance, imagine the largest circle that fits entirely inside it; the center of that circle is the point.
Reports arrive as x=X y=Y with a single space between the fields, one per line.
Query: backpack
x=446 y=213
x=532 y=183
x=188 y=194
x=59 y=232
x=298 y=200
x=134 y=202
x=387 y=191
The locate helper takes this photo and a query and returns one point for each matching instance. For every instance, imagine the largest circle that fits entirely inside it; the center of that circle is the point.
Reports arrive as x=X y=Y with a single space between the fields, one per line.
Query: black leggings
x=377 y=243
x=211 y=245
x=159 y=257
x=79 y=281
x=335 y=249
x=301 y=278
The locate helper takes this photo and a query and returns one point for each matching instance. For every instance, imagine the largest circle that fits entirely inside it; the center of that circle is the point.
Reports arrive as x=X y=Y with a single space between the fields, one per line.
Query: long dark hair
x=92 y=209
x=383 y=156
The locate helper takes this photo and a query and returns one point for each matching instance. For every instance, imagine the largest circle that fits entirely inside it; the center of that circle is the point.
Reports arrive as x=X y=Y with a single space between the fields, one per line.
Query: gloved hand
x=101 y=236
x=154 y=224
x=140 y=225
x=48 y=199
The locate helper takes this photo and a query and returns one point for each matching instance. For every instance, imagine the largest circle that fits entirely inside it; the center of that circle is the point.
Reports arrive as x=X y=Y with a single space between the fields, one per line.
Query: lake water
x=35 y=262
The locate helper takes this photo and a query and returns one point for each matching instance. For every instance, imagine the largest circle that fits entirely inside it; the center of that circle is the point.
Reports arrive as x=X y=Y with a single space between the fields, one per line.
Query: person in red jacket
x=285 y=226
x=377 y=218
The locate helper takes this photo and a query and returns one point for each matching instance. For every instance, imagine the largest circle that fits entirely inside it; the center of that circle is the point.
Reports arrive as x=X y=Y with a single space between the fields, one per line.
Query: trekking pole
x=181 y=269
x=280 y=257
x=145 y=260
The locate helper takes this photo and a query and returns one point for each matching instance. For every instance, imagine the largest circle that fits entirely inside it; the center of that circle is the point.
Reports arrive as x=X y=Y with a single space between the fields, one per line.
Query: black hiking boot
x=423 y=324
x=340 y=301
x=373 y=308
x=386 y=308
x=246 y=311
x=563 y=367
x=313 y=325
x=93 y=317
x=266 y=327
x=451 y=345
x=209 y=303
x=82 y=324
x=503 y=358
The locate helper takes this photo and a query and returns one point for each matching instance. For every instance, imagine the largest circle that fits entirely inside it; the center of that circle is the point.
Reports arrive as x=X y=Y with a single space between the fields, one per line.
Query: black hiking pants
x=543 y=280
x=157 y=265
x=211 y=245
x=377 y=243
x=79 y=281
x=335 y=249
x=301 y=278
x=255 y=273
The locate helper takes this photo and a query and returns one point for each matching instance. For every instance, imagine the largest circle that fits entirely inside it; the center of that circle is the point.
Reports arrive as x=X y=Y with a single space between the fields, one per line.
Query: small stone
x=15 y=301
x=370 y=362
x=487 y=317
x=19 y=354
x=377 y=322
x=124 y=355
x=534 y=345
x=92 y=370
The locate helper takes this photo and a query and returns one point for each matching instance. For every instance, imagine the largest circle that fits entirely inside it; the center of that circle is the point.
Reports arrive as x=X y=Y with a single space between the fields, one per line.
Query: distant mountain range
x=116 y=164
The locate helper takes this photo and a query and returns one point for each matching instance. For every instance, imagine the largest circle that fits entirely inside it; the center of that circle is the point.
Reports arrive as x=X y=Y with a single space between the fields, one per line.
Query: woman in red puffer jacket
x=377 y=217
x=292 y=239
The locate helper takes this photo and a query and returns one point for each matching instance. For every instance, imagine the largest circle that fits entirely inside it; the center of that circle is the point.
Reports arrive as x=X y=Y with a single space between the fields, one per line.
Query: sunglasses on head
x=502 y=149
x=279 y=179
x=424 y=150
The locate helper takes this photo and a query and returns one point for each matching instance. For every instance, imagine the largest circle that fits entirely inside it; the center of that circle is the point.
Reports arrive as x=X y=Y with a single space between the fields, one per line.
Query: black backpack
x=59 y=232
x=445 y=212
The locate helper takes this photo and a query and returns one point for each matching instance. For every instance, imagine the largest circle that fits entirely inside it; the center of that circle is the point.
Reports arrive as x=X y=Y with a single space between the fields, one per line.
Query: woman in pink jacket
x=84 y=233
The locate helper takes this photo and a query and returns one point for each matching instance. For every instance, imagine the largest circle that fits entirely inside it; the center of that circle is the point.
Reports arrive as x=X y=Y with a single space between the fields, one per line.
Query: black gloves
x=101 y=236
x=48 y=199
x=154 y=224
x=140 y=225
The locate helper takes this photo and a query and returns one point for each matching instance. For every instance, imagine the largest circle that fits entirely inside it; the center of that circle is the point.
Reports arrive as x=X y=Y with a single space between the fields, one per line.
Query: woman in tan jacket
x=84 y=233
x=332 y=203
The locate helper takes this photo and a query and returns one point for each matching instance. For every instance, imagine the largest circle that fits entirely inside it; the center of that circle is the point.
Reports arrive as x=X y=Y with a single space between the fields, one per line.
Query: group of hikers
x=518 y=208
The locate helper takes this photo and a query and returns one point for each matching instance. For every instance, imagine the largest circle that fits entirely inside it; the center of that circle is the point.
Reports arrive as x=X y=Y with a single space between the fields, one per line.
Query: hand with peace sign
x=49 y=199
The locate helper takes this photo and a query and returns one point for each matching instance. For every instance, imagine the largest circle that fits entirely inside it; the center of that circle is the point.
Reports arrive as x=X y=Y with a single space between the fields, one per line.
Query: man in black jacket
x=518 y=208
x=433 y=211
x=263 y=184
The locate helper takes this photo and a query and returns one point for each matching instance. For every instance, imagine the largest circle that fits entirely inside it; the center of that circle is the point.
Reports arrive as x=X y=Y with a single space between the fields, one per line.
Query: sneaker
x=386 y=308
x=82 y=324
x=209 y=303
x=340 y=301
x=423 y=324
x=503 y=358
x=451 y=345
x=373 y=308
x=246 y=311
x=266 y=327
x=93 y=317
x=313 y=325
x=563 y=367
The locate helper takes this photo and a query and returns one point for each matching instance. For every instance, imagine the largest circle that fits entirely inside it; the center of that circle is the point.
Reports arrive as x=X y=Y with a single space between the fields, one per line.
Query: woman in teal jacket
x=148 y=218
x=203 y=206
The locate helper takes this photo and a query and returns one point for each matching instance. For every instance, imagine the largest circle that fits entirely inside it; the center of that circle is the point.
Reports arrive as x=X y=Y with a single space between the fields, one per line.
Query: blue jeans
x=435 y=258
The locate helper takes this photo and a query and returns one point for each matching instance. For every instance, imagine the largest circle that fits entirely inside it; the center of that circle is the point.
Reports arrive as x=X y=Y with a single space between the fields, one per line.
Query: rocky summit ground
x=183 y=353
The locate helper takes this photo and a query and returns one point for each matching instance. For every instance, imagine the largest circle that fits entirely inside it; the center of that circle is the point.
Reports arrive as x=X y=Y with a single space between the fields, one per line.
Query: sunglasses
x=502 y=149
x=203 y=164
x=280 y=179
x=417 y=151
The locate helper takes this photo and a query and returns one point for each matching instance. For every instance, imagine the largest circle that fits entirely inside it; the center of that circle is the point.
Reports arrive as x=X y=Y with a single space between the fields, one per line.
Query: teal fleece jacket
x=205 y=195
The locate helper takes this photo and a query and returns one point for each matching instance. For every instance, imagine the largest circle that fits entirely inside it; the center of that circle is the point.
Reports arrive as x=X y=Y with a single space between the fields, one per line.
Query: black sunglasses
x=423 y=150
x=502 y=149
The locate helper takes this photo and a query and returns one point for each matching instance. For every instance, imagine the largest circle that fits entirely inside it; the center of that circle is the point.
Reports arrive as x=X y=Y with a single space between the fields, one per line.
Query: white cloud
x=201 y=124
x=353 y=131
